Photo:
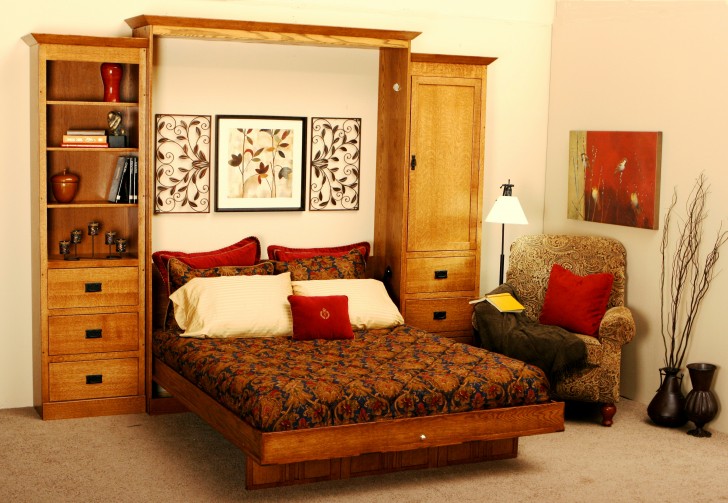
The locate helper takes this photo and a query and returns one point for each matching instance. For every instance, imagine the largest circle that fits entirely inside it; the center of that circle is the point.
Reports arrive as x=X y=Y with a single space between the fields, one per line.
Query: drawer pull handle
x=441 y=274
x=93 y=333
x=94 y=379
x=92 y=287
x=439 y=315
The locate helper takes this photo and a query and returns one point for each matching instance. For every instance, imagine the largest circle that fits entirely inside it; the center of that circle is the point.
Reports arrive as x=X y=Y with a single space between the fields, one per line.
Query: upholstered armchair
x=531 y=260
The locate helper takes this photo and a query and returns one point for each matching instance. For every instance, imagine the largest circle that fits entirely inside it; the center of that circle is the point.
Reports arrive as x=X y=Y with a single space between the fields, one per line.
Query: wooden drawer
x=439 y=315
x=93 y=333
x=441 y=274
x=93 y=379
x=93 y=287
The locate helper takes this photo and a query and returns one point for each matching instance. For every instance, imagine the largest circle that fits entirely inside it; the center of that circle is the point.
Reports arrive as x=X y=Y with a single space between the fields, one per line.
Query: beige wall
x=517 y=33
x=647 y=66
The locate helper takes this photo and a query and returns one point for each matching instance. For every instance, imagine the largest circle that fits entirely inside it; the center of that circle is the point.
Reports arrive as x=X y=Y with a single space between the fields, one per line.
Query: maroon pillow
x=244 y=252
x=576 y=303
x=286 y=254
x=322 y=317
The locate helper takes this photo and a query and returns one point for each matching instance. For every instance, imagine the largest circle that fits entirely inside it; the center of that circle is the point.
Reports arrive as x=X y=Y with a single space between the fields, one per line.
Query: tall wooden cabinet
x=89 y=327
x=430 y=240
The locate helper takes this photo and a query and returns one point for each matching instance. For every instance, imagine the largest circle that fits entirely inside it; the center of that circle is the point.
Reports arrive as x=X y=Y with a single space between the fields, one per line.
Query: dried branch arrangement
x=684 y=280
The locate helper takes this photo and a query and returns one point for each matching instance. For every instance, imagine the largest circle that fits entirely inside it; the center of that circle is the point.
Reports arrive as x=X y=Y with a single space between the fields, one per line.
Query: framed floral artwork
x=260 y=163
x=614 y=177
x=182 y=164
x=335 y=148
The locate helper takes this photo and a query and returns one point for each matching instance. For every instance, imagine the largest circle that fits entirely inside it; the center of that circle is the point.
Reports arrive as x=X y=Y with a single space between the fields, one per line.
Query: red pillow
x=576 y=303
x=244 y=252
x=325 y=317
x=285 y=254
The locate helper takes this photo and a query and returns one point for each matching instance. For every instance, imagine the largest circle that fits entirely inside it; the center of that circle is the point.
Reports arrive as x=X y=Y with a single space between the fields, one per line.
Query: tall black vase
x=667 y=408
x=700 y=404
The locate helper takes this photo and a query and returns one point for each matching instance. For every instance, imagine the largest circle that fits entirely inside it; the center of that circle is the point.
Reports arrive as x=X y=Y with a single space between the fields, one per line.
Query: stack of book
x=85 y=138
x=123 y=188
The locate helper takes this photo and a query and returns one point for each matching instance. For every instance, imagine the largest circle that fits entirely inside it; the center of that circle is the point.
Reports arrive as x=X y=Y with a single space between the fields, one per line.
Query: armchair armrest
x=617 y=326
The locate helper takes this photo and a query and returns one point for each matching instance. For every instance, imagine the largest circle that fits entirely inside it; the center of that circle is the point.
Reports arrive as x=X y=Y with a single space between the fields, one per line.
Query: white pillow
x=234 y=306
x=369 y=304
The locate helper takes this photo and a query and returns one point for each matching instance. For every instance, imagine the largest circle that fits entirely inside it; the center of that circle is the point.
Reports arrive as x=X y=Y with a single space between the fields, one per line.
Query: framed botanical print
x=260 y=163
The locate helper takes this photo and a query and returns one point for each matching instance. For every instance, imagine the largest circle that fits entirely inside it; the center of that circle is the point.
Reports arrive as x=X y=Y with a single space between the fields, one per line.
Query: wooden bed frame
x=334 y=452
x=355 y=450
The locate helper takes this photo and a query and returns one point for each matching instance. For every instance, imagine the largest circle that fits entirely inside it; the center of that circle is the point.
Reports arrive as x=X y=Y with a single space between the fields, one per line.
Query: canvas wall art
x=614 y=177
x=260 y=163
x=335 y=148
x=182 y=164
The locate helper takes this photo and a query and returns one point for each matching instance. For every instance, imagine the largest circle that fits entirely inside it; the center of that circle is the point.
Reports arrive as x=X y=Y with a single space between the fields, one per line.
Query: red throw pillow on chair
x=576 y=303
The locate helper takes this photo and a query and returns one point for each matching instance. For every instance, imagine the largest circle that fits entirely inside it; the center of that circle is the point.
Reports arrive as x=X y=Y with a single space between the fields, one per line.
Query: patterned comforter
x=278 y=384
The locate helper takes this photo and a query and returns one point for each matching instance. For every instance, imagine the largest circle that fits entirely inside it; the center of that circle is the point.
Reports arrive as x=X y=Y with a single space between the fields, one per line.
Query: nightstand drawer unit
x=93 y=287
x=447 y=316
x=440 y=274
x=85 y=380
x=93 y=333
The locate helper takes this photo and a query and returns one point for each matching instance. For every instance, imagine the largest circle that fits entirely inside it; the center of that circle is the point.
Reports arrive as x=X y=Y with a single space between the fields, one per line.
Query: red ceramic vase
x=111 y=76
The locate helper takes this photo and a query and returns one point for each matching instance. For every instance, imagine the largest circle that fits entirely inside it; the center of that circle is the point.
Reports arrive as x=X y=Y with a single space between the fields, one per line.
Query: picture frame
x=182 y=163
x=614 y=177
x=334 y=164
x=260 y=163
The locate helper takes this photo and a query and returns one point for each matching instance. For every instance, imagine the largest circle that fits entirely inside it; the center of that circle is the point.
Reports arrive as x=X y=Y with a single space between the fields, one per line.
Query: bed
x=388 y=397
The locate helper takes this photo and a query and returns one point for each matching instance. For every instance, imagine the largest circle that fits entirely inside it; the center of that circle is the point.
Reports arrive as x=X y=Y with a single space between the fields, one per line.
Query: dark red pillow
x=286 y=254
x=576 y=303
x=244 y=252
x=320 y=317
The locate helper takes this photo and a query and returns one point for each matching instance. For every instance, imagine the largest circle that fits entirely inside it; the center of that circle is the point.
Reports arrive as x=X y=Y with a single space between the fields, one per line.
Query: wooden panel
x=92 y=408
x=117 y=286
x=277 y=33
x=443 y=187
x=262 y=476
x=439 y=315
x=93 y=379
x=93 y=333
x=421 y=274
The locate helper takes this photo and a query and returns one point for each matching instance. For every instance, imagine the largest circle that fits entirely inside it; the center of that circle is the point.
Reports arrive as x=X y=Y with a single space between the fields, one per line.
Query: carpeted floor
x=178 y=458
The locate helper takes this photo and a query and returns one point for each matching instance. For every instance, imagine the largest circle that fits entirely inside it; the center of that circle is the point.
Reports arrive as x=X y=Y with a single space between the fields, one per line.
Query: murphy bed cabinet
x=431 y=239
x=89 y=329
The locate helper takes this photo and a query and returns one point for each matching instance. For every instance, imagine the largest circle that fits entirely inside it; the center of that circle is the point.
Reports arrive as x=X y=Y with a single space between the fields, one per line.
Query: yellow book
x=504 y=302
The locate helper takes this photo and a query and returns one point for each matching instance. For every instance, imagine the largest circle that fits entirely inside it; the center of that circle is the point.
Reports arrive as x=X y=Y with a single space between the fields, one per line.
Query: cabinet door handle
x=92 y=287
x=441 y=274
x=94 y=379
x=93 y=333
x=439 y=315
x=413 y=162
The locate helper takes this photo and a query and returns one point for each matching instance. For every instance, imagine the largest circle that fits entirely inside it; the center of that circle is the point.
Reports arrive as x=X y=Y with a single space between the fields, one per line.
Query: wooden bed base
x=354 y=450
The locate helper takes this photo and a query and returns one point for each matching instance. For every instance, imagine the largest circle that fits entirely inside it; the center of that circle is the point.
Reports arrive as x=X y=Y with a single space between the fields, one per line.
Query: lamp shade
x=507 y=210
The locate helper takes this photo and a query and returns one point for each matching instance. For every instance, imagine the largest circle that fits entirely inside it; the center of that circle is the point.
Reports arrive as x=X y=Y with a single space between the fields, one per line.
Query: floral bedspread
x=279 y=384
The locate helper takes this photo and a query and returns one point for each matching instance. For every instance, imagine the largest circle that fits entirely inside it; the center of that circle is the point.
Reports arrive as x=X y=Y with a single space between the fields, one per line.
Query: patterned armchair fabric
x=531 y=258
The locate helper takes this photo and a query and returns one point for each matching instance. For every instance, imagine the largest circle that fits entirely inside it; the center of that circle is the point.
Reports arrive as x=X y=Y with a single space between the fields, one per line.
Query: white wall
x=648 y=66
x=517 y=33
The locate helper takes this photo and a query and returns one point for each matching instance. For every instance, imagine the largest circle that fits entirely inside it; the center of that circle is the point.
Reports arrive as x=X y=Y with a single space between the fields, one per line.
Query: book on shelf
x=114 y=188
x=86 y=132
x=83 y=139
x=504 y=302
x=124 y=184
x=85 y=145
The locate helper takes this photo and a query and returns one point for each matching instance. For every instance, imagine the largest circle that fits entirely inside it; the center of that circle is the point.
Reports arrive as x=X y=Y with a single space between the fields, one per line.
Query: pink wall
x=647 y=66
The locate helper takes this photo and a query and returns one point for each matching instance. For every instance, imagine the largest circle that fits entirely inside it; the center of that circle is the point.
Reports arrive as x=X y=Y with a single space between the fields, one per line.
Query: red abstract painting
x=614 y=177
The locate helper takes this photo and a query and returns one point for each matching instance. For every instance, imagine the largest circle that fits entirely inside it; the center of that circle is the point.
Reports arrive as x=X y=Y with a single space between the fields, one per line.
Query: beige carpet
x=178 y=458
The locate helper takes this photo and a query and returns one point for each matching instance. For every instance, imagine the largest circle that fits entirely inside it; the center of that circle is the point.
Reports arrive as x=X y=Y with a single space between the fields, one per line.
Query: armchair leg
x=608 y=412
